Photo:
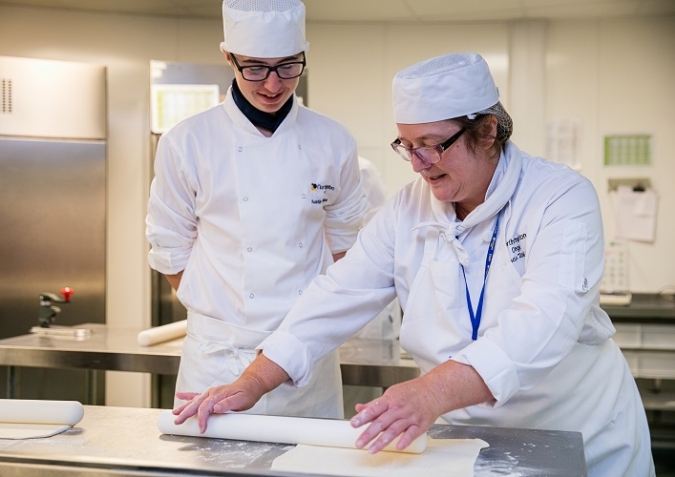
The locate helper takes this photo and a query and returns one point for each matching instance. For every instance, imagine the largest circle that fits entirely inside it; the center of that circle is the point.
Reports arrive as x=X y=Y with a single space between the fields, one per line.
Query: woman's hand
x=409 y=409
x=406 y=409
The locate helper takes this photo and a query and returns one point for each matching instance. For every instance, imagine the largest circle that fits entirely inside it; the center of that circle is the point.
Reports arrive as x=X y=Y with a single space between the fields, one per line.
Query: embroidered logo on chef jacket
x=516 y=246
x=321 y=188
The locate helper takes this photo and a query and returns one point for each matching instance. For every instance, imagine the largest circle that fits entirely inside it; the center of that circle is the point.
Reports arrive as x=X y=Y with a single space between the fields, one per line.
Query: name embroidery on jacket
x=322 y=187
x=516 y=246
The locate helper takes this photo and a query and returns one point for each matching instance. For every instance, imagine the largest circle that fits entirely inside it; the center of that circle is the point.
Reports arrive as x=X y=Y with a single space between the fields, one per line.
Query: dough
x=162 y=333
x=282 y=430
x=27 y=418
x=443 y=457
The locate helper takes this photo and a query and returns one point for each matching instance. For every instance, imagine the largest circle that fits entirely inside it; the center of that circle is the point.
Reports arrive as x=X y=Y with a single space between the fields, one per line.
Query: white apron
x=216 y=353
x=436 y=325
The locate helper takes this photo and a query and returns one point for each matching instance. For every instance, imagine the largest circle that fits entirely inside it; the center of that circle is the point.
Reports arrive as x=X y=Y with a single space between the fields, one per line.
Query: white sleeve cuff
x=291 y=354
x=494 y=366
x=343 y=241
x=168 y=263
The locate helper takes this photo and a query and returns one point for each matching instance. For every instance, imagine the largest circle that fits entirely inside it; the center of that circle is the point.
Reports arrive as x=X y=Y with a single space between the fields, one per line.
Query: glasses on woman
x=428 y=154
x=289 y=70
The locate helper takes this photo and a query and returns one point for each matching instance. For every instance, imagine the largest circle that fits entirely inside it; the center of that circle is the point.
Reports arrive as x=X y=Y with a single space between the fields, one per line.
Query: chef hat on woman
x=446 y=87
x=264 y=28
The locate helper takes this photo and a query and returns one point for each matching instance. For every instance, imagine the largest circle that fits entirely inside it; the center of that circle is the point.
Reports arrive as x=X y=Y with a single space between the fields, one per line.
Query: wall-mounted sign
x=628 y=150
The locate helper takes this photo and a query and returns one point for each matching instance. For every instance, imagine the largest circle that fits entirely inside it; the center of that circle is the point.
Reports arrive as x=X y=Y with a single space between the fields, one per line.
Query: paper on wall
x=562 y=142
x=635 y=214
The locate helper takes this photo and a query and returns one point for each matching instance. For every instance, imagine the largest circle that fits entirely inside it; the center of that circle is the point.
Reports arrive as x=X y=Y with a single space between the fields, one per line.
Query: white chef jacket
x=544 y=345
x=250 y=219
x=387 y=323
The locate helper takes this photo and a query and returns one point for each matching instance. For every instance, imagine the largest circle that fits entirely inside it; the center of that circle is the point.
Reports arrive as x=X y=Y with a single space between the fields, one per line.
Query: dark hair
x=479 y=129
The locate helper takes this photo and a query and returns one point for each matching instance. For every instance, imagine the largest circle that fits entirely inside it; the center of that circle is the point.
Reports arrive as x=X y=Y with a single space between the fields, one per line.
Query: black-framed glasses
x=428 y=154
x=289 y=70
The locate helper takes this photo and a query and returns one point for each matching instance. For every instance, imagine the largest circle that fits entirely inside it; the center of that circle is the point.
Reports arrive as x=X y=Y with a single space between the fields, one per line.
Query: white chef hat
x=264 y=28
x=445 y=87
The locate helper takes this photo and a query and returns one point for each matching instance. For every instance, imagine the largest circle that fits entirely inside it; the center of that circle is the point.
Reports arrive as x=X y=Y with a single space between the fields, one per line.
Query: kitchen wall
x=611 y=76
x=608 y=74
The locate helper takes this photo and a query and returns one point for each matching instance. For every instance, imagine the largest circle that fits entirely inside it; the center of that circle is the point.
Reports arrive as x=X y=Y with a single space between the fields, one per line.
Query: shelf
x=658 y=401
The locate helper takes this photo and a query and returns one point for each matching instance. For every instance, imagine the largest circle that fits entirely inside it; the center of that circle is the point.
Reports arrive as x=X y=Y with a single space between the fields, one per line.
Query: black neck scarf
x=260 y=118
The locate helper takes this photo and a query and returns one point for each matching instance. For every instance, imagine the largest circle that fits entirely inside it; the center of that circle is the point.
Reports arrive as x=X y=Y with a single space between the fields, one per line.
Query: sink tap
x=48 y=310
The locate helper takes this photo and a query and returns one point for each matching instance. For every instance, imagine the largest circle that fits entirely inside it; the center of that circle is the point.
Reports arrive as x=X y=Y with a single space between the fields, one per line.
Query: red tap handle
x=66 y=292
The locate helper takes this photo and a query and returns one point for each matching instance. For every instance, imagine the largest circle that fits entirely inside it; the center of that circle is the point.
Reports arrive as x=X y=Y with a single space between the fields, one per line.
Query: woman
x=525 y=345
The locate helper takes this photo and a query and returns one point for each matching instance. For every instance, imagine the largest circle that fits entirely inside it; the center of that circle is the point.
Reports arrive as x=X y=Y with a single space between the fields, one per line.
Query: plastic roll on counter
x=160 y=334
x=28 y=418
x=277 y=429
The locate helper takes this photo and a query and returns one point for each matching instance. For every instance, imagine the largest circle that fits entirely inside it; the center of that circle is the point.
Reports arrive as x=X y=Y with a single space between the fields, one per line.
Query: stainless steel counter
x=363 y=362
x=106 y=348
x=113 y=441
x=644 y=308
x=645 y=332
x=375 y=363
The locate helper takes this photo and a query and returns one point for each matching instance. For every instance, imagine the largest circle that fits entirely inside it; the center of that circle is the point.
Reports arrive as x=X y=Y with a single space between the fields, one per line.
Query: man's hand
x=174 y=280
x=238 y=396
x=259 y=378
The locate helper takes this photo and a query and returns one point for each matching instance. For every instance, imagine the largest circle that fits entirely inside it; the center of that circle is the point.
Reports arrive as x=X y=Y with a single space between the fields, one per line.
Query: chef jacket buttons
x=300 y=245
x=299 y=292
x=250 y=249
x=245 y=199
x=304 y=196
x=251 y=295
x=240 y=149
x=299 y=147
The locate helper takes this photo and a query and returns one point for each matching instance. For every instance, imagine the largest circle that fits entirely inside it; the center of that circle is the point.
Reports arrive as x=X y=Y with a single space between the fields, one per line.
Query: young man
x=251 y=200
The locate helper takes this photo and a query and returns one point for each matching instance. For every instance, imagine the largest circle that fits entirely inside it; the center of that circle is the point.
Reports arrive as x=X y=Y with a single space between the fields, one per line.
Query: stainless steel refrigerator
x=52 y=208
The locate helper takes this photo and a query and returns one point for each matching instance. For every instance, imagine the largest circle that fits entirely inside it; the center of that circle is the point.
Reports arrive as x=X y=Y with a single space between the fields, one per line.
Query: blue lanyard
x=475 y=318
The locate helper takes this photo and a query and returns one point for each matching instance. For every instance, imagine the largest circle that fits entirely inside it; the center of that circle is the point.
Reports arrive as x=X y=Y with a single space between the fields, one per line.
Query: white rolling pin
x=159 y=334
x=29 y=411
x=278 y=429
